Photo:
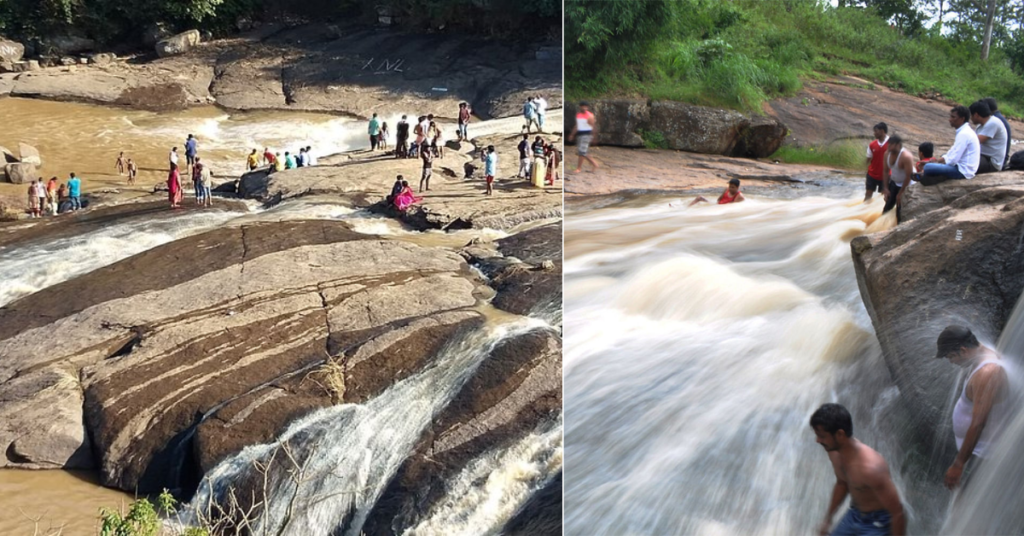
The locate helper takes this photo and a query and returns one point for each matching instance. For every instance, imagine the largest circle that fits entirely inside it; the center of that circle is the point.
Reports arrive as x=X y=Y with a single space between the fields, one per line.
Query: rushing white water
x=491 y=488
x=28 y=268
x=991 y=503
x=345 y=455
x=698 y=343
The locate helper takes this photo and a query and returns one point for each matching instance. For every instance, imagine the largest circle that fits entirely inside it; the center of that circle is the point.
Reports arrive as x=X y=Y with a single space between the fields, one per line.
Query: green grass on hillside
x=843 y=155
x=738 y=54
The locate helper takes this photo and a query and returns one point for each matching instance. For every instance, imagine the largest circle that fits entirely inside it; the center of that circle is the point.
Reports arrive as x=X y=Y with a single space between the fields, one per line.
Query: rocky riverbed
x=345 y=69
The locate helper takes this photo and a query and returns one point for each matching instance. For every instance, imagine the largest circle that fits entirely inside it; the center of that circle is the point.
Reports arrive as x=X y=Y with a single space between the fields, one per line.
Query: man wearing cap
x=982 y=411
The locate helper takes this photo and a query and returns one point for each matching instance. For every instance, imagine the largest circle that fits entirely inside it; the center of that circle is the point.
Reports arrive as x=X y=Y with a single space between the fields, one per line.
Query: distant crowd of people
x=53 y=197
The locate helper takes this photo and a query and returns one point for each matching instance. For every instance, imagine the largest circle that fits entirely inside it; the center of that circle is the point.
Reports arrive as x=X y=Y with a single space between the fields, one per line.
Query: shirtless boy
x=875 y=506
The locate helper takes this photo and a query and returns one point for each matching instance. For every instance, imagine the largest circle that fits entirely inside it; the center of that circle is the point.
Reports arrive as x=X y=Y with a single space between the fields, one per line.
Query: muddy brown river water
x=86 y=139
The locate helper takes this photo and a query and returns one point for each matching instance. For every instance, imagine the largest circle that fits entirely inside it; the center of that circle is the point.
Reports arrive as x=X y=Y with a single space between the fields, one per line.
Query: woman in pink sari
x=406 y=199
x=174 y=187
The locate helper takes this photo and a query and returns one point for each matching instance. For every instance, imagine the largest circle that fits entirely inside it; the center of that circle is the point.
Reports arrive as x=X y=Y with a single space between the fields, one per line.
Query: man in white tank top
x=982 y=410
x=898 y=171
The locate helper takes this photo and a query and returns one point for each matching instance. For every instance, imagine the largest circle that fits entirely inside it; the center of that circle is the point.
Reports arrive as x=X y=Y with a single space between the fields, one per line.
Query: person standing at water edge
x=861 y=473
x=174 y=187
x=253 y=161
x=584 y=131
x=41 y=196
x=191 y=150
x=530 y=114
x=374 y=131
x=875 y=155
x=428 y=164
x=206 y=184
x=75 y=192
x=991 y=136
x=133 y=171
x=524 y=157
x=962 y=159
x=310 y=159
x=51 y=194
x=542 y=108
x=982 y=411
x=490 y=168
x=899 y=167
x=173 y=157
x=402 y=141
x=464 y=114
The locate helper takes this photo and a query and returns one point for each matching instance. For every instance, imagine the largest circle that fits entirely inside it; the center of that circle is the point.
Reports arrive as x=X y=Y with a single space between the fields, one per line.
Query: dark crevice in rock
x=13 y=456
x=127 y=347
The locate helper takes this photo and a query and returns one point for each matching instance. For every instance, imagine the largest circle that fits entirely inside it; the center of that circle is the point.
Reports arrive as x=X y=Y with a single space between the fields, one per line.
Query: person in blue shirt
x=191 y=150
x=75 y=192
x=490 y=168
x=289 y=160
x=374 y=131
x=530 y=114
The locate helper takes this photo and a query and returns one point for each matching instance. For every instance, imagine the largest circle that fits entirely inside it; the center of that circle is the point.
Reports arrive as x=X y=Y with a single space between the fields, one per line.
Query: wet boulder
x=177 y=44
x=960 y=264
x=30 y=154
x=21 y=172
x=921 y=199
x=11 y=51
x=684 y=127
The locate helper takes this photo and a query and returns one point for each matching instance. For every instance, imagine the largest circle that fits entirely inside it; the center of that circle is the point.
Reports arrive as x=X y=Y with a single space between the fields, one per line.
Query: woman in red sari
x=174 y=187
x=406 y=199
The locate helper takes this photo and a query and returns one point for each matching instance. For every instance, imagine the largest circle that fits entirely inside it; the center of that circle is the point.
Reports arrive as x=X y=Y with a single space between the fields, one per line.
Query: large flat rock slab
x=210 y=332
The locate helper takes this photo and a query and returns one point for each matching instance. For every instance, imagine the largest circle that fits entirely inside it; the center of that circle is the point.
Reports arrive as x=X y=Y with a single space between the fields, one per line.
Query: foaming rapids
x=991 y=503
x=29 y=268
x=485 y=495
x=327 y=470
x=698 y=343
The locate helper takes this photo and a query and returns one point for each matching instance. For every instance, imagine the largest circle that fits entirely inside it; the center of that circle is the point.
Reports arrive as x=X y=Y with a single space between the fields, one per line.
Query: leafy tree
x=607 y=34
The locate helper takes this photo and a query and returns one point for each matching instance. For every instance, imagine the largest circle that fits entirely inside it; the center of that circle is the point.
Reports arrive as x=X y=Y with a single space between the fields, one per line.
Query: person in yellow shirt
x=253 y=161
x=278 y=162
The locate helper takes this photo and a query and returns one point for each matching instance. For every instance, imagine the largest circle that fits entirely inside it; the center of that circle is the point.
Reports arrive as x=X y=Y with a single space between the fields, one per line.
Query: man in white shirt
x=991 y=135
x=173 y=157
x=310 y=159
x=962 y=159
x=541 y=106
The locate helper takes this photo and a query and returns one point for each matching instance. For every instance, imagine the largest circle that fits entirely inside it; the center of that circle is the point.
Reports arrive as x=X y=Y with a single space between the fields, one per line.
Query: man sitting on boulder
x=991 y=135
x=962 y=159
x=994 y=108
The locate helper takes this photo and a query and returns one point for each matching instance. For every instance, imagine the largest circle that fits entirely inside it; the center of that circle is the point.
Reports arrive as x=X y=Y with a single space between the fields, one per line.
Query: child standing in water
x=120 y=163
x=133 y=170
x=731 y=194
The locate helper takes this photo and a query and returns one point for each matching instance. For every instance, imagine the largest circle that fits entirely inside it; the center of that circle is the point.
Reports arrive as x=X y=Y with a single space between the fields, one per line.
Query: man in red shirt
x=875 y=161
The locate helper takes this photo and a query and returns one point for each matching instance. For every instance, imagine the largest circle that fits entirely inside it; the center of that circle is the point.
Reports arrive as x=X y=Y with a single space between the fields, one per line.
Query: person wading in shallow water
x=875 y=506
x=731 y=194
x=982 y=411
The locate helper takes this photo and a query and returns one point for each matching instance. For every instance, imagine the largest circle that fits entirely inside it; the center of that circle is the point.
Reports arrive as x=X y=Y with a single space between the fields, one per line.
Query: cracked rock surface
x=164 y=363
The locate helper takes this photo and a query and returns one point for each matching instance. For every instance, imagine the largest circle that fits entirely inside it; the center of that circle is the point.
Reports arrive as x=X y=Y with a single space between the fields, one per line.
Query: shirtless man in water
x=875 y=507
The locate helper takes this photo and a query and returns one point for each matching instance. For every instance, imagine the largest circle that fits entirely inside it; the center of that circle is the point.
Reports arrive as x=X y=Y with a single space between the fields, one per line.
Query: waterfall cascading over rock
x=326 y=471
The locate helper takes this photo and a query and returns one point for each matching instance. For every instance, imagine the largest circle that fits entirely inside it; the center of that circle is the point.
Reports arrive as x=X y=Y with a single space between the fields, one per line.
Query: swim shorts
x=873 y=185
x=490 y=179
x=857 y=523
x=583 y=144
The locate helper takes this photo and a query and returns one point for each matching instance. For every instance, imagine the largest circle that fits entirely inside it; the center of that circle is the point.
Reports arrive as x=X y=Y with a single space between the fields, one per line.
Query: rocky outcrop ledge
x=960 y=262
x=159 y=366
x=683 y=127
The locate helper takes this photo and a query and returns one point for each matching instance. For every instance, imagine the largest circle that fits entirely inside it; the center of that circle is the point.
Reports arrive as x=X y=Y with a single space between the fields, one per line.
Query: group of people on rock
x=539 y=161
x=534 y=110
x=277 y=162
x=429 y=136
x=52 y=198
x=975 y=151
x=983 y=411
x=202 y=176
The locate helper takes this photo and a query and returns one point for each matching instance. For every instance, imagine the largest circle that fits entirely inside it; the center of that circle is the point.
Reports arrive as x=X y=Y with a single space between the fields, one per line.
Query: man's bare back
x=862 y=471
